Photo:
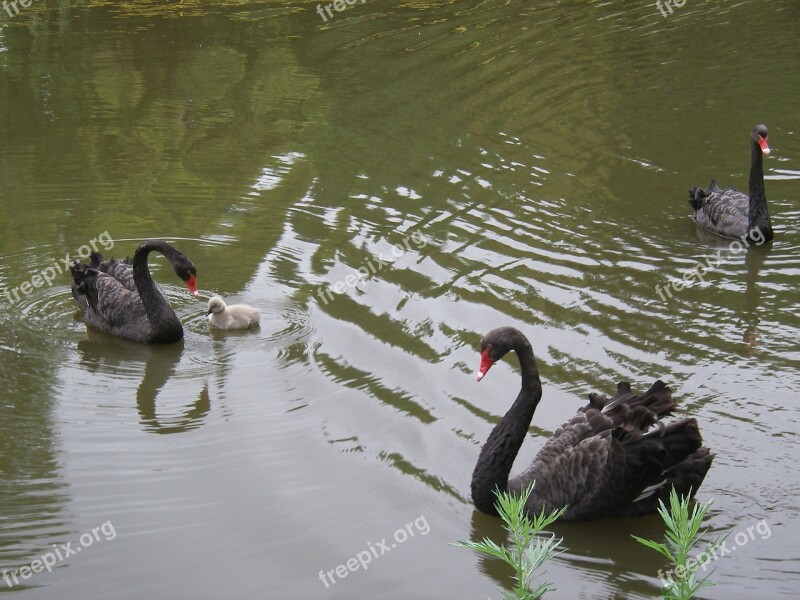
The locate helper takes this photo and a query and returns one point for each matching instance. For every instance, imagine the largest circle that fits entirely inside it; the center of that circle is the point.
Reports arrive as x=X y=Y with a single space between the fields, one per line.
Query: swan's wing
x=722 y=211
x=106 y=303
x=723 y=206
x=570 y=465
x=122 y=271
x=602 y=475
x=605 y=455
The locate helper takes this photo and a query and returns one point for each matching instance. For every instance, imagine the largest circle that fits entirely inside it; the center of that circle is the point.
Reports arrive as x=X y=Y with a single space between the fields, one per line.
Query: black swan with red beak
x=733 y=214
x=614 y=458
x=119 y=297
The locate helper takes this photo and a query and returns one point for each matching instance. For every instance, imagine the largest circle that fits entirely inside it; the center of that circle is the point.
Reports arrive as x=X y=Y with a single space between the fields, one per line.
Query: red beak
x=762 y=141
x=191 y=283
x=486 y=364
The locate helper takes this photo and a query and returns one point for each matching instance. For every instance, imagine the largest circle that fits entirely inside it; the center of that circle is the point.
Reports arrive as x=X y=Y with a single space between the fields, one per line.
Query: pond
x=387 y=183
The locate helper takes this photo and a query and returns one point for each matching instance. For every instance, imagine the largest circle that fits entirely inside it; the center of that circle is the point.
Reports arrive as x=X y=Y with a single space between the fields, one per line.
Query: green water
x=484 y=164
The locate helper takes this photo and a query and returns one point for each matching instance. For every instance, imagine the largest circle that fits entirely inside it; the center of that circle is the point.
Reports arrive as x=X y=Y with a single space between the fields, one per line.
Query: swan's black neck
x=498 y=454
x=758 y=216
x=164 y=323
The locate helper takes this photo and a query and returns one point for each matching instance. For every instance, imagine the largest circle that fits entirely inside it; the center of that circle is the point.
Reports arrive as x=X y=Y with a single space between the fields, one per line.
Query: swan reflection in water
x=754 y=261
x=119 y=359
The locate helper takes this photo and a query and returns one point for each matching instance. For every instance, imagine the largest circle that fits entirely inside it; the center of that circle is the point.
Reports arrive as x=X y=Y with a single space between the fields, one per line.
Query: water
x=529 y=161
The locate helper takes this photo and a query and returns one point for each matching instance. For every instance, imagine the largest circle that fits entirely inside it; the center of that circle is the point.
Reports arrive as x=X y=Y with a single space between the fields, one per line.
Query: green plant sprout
x=682 y=535
x=529 y=550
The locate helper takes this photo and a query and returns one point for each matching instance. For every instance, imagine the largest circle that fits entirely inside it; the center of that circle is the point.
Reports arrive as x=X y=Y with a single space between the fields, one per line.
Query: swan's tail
x=674 y=442
x=667 y=456
x=80 y=271
x=658 y=456
x=83 y=278
x=632 y=415
x=697 y=195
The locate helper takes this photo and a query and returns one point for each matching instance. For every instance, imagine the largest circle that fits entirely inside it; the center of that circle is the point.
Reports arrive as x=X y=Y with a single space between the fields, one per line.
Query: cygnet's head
x=215 y=305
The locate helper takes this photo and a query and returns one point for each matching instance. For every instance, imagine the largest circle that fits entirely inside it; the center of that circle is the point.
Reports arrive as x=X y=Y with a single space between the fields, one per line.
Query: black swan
x=733 y=214
x=614 y=458
x=119 y=297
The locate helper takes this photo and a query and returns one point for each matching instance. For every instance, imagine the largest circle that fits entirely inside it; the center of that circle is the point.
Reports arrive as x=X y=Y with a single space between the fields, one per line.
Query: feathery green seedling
x=682 y=535
x=525 y=556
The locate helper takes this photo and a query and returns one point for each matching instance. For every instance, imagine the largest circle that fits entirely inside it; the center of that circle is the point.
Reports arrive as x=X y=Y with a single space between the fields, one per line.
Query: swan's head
x=760 y=138
x=216 y=305
x=495 y=345
x=184 y=268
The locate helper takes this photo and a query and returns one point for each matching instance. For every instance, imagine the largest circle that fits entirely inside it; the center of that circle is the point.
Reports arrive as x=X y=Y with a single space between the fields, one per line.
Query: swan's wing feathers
x=588 y=423
x=608 y=454
x=570 y=479
x=114 y=303
x=622 y=396
x=604 y=476
x=664 y=457
x=121 y=270
x=726 y=204
x=658 y=400
x=104 y=300
x=597 y=400
x=724 y=212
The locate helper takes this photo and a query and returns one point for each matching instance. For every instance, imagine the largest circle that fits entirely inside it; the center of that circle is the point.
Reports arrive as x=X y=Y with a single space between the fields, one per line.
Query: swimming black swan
x=733 y=214
x=615 y=458
x=120 y=298
x=235 y=316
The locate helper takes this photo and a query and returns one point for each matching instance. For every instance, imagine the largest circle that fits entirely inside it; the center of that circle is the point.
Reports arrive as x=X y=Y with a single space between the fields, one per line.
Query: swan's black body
x=119 y=297
x=613 y=459
x=733 y=214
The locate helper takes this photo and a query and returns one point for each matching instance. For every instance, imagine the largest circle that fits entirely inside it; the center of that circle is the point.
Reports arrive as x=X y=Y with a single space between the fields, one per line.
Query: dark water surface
x=527 y=161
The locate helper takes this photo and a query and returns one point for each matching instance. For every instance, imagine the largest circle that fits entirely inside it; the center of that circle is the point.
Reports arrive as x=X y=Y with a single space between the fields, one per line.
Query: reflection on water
x=106 y=357
x=542 y=151
x=750 y=319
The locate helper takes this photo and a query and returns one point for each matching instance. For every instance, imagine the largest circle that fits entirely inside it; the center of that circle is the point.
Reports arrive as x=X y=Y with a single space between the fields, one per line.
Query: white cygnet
x=236 y=316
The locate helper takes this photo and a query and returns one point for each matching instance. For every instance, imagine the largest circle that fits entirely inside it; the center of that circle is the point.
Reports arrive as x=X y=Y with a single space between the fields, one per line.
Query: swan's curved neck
x=498 y=454
x=758 y=216
x=164 y=323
